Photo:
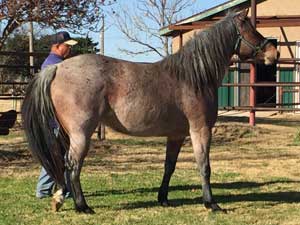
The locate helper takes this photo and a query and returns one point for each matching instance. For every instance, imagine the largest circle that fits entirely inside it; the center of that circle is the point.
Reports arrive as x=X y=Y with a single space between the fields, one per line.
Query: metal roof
x=261 y=21
x=166 y=31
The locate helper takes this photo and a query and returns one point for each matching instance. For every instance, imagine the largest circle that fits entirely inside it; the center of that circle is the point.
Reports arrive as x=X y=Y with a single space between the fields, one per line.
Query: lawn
x=255 y=177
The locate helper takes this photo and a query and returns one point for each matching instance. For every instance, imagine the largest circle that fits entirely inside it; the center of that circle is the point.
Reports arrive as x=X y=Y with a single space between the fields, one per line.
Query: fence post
x=252 y=70
x=31 y=58
x=101 y=127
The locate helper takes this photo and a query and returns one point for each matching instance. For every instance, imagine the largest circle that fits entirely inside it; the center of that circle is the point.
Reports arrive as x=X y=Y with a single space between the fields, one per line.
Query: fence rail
x=10 y=53
x=249 y=108
x=263 y=84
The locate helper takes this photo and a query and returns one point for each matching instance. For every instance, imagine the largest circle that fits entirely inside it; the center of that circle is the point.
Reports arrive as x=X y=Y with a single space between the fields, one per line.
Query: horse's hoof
x=55 y=206
x=162 y=198
x=214 y=207
x=164 y=203
x=86 y=210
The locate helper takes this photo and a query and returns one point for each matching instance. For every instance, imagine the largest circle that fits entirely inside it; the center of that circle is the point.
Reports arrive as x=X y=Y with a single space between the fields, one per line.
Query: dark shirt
x=51 y=59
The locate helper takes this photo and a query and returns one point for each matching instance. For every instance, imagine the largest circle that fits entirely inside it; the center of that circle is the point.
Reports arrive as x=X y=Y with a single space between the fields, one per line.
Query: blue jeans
x=46 y=184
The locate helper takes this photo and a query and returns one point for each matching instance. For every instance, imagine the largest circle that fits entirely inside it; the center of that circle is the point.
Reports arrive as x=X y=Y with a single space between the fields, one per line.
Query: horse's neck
x=204 y=60
x=229 y=49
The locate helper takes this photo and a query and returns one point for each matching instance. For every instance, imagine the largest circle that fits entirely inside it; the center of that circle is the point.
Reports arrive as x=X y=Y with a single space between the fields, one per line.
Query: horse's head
x=251 y=44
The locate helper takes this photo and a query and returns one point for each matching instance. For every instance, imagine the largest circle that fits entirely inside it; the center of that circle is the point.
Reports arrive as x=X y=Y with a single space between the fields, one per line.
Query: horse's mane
x=203 y=60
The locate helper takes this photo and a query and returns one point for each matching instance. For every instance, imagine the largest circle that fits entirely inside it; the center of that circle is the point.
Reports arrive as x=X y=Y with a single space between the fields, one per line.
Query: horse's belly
x=152 y=122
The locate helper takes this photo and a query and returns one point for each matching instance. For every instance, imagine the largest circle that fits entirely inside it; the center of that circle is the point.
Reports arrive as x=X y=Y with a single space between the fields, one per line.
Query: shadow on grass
x=11 y=155
x=275 y=197
x=232 y=185
x=17 y=151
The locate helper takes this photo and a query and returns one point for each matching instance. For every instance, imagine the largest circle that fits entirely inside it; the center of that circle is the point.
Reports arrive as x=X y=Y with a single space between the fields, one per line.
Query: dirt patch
x=121 y=151
x=14 y=150
x=224 y=132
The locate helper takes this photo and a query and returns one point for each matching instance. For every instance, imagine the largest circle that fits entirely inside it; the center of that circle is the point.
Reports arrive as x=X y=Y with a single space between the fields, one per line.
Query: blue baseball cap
x=63 y=37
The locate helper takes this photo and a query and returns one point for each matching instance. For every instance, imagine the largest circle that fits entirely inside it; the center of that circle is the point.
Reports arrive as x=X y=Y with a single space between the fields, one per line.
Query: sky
x=114 y=40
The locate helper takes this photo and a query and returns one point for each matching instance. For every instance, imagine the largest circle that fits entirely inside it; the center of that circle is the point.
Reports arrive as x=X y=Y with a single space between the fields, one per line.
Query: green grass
x=255 y=177
x=130 y=198
x=296 y=140
x=12 y=136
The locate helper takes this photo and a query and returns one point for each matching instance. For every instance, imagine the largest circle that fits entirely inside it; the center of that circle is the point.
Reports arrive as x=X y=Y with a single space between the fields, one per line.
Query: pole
x=31 y=58
x=101 y=127
x=180 y=40
x=252 y=97
x=102 y=36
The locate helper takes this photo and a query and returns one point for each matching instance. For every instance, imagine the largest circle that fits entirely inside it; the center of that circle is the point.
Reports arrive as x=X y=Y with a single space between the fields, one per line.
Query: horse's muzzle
x=271 y=54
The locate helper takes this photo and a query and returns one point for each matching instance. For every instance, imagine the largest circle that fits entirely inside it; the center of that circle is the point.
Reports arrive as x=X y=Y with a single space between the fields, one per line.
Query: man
x=60 y=49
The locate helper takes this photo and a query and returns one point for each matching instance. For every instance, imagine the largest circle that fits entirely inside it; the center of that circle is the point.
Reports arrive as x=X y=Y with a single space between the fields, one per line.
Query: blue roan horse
x=175 y=97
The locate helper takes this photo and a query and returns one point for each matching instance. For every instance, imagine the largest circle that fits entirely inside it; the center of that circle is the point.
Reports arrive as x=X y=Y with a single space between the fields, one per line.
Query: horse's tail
x=40 y=124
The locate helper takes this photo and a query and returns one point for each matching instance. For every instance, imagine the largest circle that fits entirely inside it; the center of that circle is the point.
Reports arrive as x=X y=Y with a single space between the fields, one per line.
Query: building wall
x=185 y=38
x=284 y=34
x=278 y=7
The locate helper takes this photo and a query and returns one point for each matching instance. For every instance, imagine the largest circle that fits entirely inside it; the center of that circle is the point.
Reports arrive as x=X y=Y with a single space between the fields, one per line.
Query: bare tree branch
x=68 y=14
x=128 y=52
x=141 y=26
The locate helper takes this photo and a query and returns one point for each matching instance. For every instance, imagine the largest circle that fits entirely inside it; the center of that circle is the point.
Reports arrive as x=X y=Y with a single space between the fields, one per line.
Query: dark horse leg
x=201 y=139
x=173 y=149
x=79 y=144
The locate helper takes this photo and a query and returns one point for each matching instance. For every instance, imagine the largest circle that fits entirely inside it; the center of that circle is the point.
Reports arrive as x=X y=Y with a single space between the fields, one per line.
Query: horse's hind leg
x=173 y=149
x=79 y=145
x=201 y=139
x=58 y=198
x=60 y=193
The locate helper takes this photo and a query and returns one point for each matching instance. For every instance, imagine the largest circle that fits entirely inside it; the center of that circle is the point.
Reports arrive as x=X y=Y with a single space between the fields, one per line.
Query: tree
x=69 y=14
x=85 y=45
x=142 y=25
x=19 y=42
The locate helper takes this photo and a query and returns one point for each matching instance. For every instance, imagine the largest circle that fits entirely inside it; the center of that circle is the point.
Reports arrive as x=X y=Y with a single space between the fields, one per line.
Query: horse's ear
x=242 y=15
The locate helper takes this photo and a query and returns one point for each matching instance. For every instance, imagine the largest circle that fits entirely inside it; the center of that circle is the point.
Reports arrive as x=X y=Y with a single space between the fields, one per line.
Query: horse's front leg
x=79 y=145
x=173 y=149
x=201 y=139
